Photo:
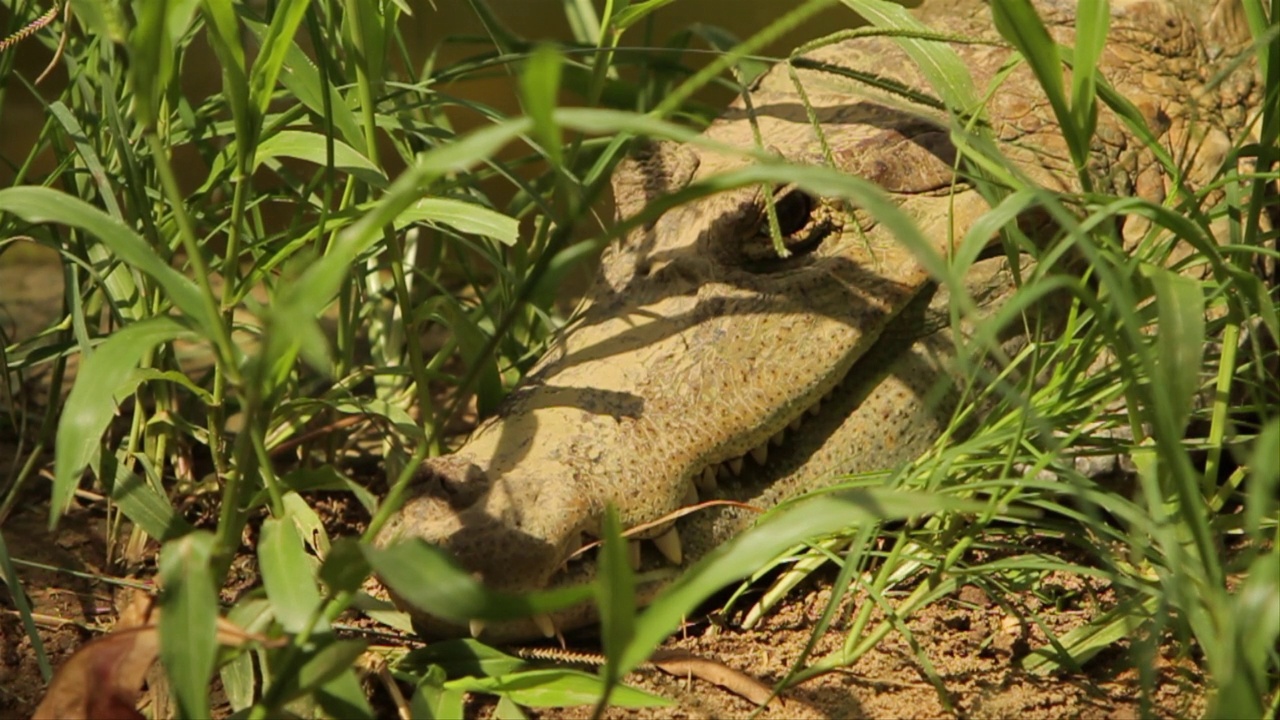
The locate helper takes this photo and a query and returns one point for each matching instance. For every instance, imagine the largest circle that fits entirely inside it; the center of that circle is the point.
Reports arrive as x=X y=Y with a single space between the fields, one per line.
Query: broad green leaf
x=427 y=578
x=556 y=688
x=188 y=620
x=320 y=283
x=1018 y=23
x=740 y=557
x=324 y=477
x=102 y=382
x=239 y=681
x=307 y=521
x=146 y=508
x=583 y=20
x=432 y=701
x=177 y=378
x=343 y=696
x=507 y=709
x=344 y=569
x=286 y=574
x=103 y=19
x=374 y=27
x=44 y=205
x=326 y=660
x=464 y=217
x=1255 y=617
x=637 y=12
x=461 y=658
x=472 y=340
x=310 y=147
x=119 y=281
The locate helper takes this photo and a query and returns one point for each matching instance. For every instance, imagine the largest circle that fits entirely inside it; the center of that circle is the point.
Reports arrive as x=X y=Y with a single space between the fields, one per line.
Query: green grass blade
x=287 y=575
x=1180 y=342
x=188 y=618
x=739 y=557
x=616 y=600
x=427 y=578
x=460 y=658
x=1018 y=23
x=301 y=79
x=539 y=92
x=104 y=379
x=464 y=217
x=945 y=72
x=43 y=205
x=14 y=585
x=146 y=508
x=223 y=31
x=1093 y=20
x=1264 y=482
x=556 y=688
x=275 y=48
x=310 y=147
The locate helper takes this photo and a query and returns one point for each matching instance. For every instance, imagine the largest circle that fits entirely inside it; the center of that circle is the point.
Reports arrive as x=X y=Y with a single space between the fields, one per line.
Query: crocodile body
x=698 y=345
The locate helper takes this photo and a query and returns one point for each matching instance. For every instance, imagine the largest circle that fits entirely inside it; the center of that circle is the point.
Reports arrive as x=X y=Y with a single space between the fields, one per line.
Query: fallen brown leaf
x=103 y=679
x=684 y=663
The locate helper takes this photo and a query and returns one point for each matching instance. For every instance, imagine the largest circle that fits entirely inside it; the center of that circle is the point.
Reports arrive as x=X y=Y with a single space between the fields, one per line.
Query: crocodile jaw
x=634 y=403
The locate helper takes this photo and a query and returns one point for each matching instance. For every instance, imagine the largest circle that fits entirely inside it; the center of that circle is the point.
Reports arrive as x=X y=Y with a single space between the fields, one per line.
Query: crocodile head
x=699 y=347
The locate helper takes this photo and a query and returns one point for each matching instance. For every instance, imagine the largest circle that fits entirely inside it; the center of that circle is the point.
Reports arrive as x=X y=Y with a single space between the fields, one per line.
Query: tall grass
x=304 y=227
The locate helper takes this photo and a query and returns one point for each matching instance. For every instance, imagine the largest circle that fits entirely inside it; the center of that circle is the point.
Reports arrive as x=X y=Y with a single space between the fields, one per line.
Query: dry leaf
x=680 y=662
x=102 y=680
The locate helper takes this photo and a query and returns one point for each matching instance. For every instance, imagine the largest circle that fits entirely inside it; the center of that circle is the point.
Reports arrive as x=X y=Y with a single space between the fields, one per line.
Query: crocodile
x=705 y=365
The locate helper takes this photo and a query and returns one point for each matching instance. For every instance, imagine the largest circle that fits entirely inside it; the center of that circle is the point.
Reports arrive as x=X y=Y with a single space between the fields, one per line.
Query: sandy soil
x=973 y=644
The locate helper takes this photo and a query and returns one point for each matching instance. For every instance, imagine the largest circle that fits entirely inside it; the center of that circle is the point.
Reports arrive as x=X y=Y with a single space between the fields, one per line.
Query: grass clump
x=246 y=266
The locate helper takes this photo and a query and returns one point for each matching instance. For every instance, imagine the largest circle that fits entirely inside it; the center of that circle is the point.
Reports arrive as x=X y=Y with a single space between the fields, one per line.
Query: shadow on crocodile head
x=698 y=347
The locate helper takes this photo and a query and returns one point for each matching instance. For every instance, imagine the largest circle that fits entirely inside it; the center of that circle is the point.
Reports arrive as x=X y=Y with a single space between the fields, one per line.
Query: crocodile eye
x=794 y=209
x=803 y=223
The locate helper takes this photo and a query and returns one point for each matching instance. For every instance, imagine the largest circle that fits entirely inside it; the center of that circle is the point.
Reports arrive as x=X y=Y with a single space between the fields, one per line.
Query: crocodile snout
x=512 y=533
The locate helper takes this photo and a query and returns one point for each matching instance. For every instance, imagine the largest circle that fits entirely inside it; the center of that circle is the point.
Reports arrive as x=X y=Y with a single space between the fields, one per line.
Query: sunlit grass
x=342 y=218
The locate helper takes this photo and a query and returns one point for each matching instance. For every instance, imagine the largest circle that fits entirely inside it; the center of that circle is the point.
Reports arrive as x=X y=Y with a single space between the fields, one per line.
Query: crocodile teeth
x=815 y=408
x=545 y=625
x=669 y=545
x=633 y=554
x=477 y=627
x=690 y=495
x=761 y=454
x=795 y=424
x=706 y=482
x=778 y=438
x=735 y=466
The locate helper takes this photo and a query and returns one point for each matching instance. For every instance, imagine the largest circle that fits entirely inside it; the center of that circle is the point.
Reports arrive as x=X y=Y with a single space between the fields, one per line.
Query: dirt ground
x=972 y=643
